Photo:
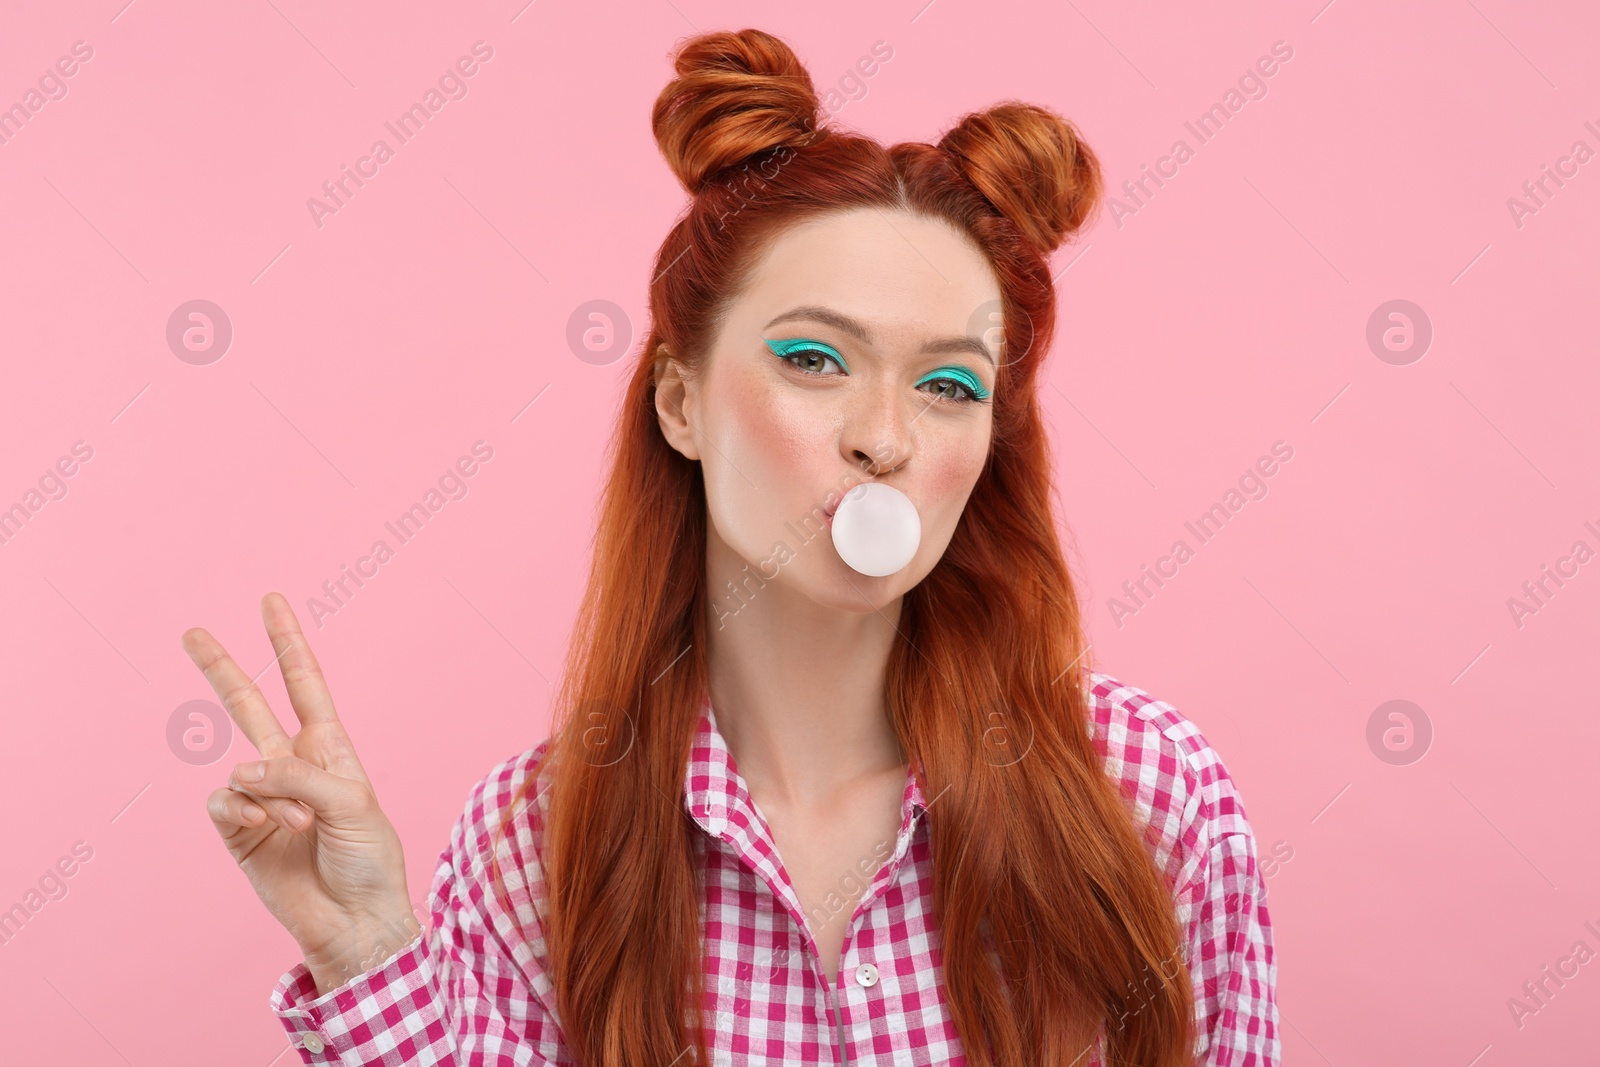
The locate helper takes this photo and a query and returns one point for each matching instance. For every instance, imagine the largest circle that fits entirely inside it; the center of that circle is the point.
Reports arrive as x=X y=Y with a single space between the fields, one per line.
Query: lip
x=827 y=514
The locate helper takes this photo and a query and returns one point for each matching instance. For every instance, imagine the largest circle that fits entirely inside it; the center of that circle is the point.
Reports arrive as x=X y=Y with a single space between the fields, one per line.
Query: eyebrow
x=844 y=323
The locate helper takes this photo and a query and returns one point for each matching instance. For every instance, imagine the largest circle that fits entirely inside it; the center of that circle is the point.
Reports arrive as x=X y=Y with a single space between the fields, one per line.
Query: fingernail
x=253 y=772
x=252 y=812
x=295 y=816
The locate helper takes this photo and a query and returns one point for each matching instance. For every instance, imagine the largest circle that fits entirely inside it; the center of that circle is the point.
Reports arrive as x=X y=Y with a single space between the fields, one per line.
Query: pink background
x=1228 y=312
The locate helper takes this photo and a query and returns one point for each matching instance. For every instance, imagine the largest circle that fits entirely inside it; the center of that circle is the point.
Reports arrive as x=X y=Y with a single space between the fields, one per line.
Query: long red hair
x=1053 y=916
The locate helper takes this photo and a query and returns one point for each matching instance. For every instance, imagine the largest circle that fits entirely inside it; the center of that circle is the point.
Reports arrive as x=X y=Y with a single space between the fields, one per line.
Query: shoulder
x=1204 y=843
x=507 y=798
x=488 y=901
x=1162 y=762
x=497 y=842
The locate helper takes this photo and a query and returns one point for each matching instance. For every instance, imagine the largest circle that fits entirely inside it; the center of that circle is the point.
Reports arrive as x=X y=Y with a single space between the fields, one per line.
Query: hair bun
x=1030 y=163
x=736 y=94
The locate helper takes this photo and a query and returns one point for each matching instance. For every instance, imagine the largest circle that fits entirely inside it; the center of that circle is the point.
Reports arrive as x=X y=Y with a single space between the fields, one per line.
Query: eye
x=957 y=386
x=794 y=352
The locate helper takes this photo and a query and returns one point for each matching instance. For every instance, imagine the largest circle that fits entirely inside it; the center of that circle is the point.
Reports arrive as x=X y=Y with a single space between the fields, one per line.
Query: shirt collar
x=717 y=798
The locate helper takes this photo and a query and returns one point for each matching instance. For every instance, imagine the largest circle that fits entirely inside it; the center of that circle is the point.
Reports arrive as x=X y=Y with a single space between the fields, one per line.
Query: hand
x=335 y=879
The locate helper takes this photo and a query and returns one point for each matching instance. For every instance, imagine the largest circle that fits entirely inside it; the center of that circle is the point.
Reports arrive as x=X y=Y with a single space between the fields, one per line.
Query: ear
x=676 y=406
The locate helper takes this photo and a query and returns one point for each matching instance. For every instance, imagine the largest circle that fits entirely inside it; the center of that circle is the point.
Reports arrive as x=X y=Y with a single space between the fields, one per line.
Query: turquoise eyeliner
x=962 y=375
x=802 y=344
x=794 y=346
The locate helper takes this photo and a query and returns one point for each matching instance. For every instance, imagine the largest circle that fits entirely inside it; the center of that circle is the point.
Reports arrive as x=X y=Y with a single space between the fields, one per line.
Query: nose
x=877 y=436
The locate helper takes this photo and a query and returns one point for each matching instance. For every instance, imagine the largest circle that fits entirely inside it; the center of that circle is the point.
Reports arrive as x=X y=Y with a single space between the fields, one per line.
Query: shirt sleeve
x=454 y=996
x=1231 y=959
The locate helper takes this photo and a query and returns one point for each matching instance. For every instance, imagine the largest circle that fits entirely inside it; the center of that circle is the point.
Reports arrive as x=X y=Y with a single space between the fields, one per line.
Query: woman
x=790 y=812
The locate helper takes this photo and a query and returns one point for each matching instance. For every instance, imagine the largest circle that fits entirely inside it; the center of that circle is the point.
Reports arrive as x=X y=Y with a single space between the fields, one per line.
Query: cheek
x=952 y=472
x=770 y=452
x=779 y=445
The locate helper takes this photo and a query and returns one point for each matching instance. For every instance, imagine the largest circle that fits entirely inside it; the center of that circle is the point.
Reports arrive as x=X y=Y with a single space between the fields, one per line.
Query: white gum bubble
x=876 y=529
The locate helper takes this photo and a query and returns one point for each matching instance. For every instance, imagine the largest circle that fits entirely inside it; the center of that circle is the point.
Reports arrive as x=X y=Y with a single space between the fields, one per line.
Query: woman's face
x=854 y=354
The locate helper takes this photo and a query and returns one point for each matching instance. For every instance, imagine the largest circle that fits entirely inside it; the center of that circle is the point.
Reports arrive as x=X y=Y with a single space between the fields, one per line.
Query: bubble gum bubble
x=876 y=529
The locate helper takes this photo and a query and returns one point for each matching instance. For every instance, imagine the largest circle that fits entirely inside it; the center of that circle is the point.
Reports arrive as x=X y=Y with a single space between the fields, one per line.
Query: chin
x=845 y=589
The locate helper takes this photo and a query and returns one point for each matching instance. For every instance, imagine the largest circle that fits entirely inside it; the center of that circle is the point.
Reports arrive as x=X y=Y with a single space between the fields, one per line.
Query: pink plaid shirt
x=472 y=991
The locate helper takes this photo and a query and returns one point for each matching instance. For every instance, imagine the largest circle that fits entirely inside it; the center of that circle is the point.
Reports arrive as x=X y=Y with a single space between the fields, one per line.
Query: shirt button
x=867 y=974
x=313 y=1044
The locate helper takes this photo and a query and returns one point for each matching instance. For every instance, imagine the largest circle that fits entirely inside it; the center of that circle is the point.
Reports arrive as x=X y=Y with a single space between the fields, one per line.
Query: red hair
x=1051 y=906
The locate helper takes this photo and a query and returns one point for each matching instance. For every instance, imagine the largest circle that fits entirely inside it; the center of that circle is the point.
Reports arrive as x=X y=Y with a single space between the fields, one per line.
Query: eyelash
x=969 y=395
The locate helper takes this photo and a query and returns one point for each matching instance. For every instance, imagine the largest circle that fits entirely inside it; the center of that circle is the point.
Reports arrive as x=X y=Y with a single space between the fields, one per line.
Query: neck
x=798 y=689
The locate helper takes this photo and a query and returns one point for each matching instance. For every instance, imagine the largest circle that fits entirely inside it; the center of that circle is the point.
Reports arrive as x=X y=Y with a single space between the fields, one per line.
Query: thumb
x=334 y=799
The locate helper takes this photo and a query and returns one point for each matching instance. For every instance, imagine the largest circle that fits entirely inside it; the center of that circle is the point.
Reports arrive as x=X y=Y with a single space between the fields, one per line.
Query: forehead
x=904 y=276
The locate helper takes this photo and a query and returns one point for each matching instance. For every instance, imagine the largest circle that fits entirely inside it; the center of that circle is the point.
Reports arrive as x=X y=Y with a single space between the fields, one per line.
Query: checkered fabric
x=471 y=990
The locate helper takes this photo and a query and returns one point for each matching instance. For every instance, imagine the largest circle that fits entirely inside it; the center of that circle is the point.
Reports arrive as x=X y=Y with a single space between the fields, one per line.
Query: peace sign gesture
x=303 y=823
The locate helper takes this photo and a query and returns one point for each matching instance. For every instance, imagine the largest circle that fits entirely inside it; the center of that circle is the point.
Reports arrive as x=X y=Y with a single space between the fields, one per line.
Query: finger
x=290 y=778
x=230 y=810
x=302 y=675
x=238 y=693
x=235 y=813
x=289 y=814
x=308 y=688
